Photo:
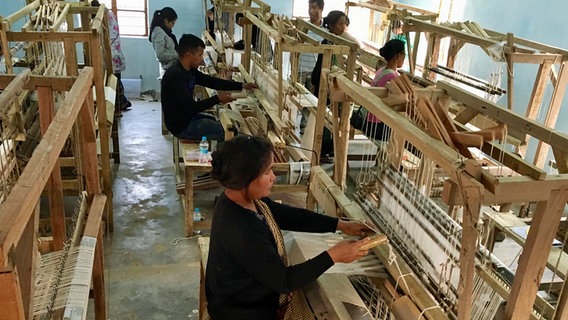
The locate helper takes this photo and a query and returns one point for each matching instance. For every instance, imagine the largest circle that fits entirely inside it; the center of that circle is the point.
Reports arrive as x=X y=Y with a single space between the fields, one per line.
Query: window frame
x=114 y=9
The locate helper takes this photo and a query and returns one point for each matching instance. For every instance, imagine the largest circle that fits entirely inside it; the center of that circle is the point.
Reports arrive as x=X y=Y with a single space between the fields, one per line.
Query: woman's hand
x=353 y=228
x=225 y=97
x=348 y=250
x=249 y=86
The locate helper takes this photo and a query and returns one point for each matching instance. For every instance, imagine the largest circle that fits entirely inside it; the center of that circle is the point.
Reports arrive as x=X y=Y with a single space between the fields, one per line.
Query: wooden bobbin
x=375 y=241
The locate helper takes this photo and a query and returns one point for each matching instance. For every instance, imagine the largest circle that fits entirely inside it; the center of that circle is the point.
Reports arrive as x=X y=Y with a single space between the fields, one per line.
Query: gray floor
x=147 y=276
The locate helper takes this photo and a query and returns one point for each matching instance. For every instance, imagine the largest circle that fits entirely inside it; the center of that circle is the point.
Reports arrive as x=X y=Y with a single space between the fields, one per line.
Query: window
x=132 y=16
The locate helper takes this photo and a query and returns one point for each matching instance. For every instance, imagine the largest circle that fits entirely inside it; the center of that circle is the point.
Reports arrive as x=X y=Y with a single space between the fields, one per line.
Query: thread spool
x=375 y=241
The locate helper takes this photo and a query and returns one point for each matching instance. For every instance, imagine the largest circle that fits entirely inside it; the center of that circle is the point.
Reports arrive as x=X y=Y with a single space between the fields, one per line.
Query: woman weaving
x=248 y=273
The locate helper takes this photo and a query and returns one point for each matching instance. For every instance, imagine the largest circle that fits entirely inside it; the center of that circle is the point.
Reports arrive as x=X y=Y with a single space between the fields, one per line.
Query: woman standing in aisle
x=163 y=40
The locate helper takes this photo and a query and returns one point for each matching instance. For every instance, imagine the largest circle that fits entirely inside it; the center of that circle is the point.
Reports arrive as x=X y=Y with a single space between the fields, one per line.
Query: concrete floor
x=147 y=276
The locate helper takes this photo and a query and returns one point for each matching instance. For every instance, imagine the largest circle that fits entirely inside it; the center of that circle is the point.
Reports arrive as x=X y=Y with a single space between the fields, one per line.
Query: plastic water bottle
x=196 y=215
x=203 y=150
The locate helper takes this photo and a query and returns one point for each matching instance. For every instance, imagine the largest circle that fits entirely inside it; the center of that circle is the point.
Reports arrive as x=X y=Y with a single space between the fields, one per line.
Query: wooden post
x=88 y=146
x=510 y=71
x=535 y=101
x=320 y=117
x=54 y=184
x=98 y=205
x=247 y=38
x=340 y=142
x=473 y=194
x=552 y=114
x=6 y=47
x=104 y=137
x=535 y=253
x=70 y=57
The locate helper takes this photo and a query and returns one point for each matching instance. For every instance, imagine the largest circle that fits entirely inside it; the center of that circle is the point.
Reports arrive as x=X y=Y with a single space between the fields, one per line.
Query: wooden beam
x=57 y=83
x=446 y=31
x=529 y=43
x=301 y=24
x=22 y=12
x=535 y=252
x=53 y=36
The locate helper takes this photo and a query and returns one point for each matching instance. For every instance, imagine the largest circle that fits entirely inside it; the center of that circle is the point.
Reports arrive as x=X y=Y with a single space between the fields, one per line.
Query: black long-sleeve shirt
x=178 y=103
x=244 y=274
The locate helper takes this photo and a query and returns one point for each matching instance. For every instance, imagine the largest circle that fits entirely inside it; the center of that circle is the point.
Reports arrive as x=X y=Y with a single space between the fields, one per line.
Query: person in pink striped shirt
x=394 y=53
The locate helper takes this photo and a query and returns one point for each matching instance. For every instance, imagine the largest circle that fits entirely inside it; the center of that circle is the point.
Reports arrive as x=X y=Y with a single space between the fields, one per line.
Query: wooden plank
x=20 y=203
x=46 y=104
x=10 y=297
x=533 y=258
x=93 y=225
x=62 y=16
x=52 y=36
x=466 y=115
x=468 y=248
x=510 y=73
x=106 y=172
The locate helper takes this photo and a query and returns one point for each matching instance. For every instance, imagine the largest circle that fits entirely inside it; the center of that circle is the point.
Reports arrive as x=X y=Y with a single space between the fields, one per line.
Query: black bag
x=357 y=119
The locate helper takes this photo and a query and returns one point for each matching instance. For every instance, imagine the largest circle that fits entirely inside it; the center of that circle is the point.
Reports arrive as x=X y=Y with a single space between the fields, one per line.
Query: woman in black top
x=248 y=275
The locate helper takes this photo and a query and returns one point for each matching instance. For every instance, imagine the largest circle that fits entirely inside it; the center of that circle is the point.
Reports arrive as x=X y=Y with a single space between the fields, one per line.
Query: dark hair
x=391 y=49
x=95 y=3
x=158 y=19
x=237 y=162
x=332 y=18
x=320 y=3
x=189 y=43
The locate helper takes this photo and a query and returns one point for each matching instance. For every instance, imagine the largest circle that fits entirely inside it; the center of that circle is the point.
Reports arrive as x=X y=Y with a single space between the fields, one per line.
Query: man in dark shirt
x=183 y=115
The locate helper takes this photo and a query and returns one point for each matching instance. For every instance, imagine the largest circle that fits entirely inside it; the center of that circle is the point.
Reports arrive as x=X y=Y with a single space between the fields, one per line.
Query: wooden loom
x=515 y=50
x=55 y=54
x=19 y=212
x=478 y=186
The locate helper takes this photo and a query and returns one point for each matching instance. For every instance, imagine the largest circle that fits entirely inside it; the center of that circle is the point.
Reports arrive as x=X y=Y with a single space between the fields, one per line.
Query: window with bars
x=132 y=16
